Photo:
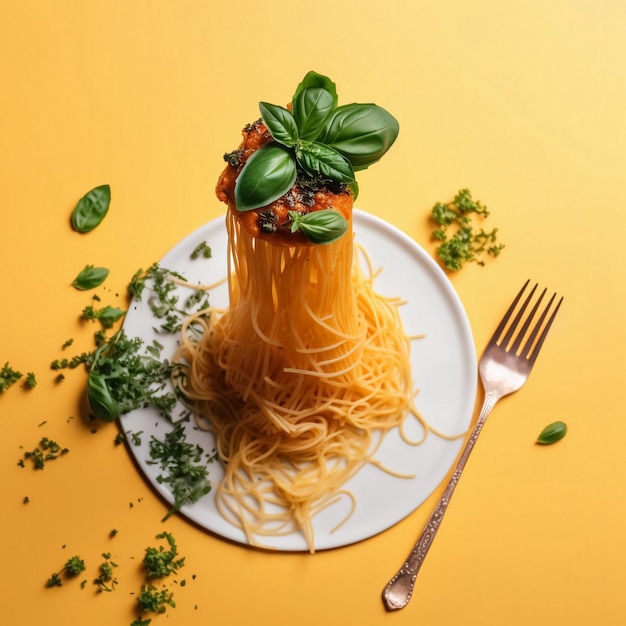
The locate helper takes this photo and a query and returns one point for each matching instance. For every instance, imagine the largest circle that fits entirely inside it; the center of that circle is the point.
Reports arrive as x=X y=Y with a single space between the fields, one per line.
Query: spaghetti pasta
x=296 y=379
x=306 y=370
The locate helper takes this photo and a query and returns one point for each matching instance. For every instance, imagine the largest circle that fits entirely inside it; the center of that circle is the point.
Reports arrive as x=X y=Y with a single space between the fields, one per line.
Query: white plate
x=444 y=370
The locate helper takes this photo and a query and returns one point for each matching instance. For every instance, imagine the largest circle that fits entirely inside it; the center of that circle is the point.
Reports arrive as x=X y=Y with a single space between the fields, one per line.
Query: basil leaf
x=101 y=402
x=311 y=108
x=361 y=132
x=108 y=315
x=313 y=79
x=280 y=122
x=552 y=433
x=267 y=175
x=316 y=158
x=90 y=277
x=321 y=227
x=91 y=209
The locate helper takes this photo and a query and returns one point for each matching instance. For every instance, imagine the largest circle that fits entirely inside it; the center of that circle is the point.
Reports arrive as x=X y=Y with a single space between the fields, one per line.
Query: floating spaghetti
x=308 y=367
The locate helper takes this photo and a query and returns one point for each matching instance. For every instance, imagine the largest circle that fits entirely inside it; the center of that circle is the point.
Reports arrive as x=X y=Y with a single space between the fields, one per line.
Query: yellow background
x=524 y=102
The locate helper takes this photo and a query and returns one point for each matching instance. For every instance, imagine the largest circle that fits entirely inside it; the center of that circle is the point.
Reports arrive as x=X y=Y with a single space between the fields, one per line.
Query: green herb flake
x=106 y=580
x=107 y=316
x=47 y=450
x=461 y=241
x=54 y=580
x=153 y=600
x=31 y=381
x=72 y=568
x=159 y=562
x=184 y=465
x=202 y=250
x=164 y=301
x=552 y=433
x=123 y=378
x=8 y=377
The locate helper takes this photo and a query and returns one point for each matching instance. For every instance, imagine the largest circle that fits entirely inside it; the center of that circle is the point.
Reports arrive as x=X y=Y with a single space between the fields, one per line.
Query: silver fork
x=504 y=368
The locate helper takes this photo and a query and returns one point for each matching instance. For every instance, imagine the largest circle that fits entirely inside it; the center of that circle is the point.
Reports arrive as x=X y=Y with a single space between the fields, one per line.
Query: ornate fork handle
x=399 y=589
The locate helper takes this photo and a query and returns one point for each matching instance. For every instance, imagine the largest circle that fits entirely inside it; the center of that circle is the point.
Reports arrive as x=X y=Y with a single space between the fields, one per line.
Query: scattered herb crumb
x=47 y=450
x=159 y=562
x=31 y=381
x=164 y=301
x=202 y=250
x=466 y=243
x=74 y=566
x=107 y=316
x=8 y=377
x=185 y=467
x=153 y=600
x=106 y=581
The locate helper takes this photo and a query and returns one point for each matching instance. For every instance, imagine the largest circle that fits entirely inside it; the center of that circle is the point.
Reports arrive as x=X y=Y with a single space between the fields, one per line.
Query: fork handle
x=398 y=591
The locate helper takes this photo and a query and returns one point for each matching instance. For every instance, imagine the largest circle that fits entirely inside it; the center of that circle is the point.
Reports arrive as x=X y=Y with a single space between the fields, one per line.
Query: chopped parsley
x=31 y=381
x=106 y=580
x=123 y=378
x=153 y=600
x=466 y=243
x=107 y=316
x=8 y=377
x=202 y=250
x=165 y=302
x=74 y=566
x=184 y=465
x=47 y=450
x=159 y=562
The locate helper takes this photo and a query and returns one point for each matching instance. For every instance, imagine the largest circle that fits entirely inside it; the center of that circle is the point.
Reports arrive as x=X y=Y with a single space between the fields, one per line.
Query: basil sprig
x=317 y=137
x=323 y=226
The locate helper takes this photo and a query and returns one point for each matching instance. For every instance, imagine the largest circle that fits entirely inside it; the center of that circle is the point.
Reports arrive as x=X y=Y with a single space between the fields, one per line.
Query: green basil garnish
x=361 y=132
x=552 y=433
x=311 y=108
x=101 y=402
x=316 y=158
x=91 y=209
x=280 y=122
x=323 y=226
x=316 y=138
x=108 y=315
x=90 y=277
x=267 y=175
x=313 y=79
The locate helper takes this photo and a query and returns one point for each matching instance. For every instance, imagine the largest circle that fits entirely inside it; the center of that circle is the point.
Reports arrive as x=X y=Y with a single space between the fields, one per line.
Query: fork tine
x=537 y=347
x=522 y=333
x=502 y=325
